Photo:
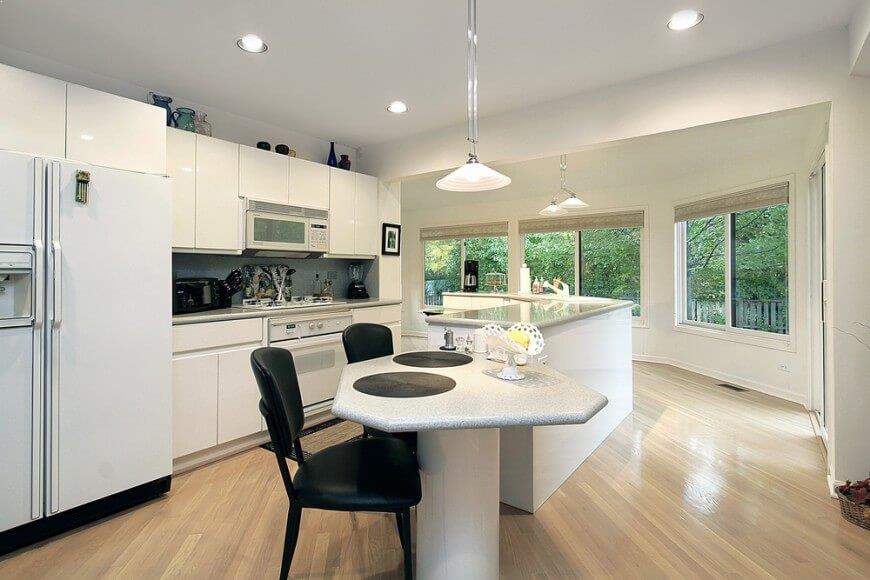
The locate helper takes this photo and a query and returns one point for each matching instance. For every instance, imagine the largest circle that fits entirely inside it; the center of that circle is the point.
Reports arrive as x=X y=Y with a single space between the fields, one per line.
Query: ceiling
x=643 y=160
x=332 y=67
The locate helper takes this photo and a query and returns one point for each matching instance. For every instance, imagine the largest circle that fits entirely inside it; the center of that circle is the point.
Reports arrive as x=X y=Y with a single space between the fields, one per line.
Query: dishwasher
x=314 y=340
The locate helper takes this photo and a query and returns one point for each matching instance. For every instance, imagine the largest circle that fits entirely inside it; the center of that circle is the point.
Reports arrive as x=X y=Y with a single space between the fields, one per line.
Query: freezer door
x=109 y=313
x=20 y=179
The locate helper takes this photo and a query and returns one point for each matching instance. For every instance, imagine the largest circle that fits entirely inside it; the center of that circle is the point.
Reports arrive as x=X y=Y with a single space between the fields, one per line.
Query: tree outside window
x=441 y=269
x=610 y=264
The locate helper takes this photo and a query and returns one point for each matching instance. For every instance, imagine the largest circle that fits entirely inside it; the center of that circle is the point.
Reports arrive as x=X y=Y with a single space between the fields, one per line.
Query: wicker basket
x=856 y=513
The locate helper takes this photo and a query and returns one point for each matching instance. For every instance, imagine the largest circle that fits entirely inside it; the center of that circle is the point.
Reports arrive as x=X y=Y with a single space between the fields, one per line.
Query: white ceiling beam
x=859 y=39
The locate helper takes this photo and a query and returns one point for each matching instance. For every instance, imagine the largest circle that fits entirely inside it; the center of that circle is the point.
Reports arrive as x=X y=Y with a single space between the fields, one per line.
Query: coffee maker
x=469 y=281
x=357 y=288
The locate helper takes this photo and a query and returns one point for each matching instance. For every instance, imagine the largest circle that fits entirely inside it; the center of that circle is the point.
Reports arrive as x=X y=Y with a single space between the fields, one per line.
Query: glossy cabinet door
x=263 y=175
x=181 y=167
x=342 y=200
x=309 y=184
x=194 y=403
x=238 y=396
x=367 y=236
x=111 y=131
x=32 y=113
x=217 y=194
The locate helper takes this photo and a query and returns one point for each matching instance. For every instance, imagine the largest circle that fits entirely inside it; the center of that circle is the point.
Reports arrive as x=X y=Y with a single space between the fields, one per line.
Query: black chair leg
x=294 y=516
x=403 y=518
x=399 y=527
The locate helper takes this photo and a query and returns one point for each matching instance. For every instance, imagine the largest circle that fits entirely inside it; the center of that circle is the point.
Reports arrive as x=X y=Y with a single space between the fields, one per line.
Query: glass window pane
x=705 y=270
x=492 y=257
x=610 y=264
x=551 y=255
x=760 y=269
x=440 y=269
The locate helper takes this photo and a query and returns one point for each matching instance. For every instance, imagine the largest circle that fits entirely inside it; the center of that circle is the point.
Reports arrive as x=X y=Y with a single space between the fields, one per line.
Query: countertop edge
x=478 y=423
x=242 y=314
x=448 y=320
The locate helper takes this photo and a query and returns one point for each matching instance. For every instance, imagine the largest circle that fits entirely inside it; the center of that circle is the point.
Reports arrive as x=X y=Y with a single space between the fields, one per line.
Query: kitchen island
x=589 y=341
x=458 y=413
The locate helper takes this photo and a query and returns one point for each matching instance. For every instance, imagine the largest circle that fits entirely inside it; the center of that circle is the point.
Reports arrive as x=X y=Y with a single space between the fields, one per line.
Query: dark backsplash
x=216 y=266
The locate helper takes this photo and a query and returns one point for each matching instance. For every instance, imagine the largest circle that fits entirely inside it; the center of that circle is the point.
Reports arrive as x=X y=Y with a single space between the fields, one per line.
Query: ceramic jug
x=203 y=127
x=183 y=118
x=163 y=102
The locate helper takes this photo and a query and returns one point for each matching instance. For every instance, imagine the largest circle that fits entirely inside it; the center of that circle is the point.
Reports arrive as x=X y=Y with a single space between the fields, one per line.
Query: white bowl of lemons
x=519 y=341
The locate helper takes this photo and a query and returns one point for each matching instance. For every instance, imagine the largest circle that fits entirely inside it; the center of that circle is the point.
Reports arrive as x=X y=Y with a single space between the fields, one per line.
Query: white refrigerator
x=85 y=342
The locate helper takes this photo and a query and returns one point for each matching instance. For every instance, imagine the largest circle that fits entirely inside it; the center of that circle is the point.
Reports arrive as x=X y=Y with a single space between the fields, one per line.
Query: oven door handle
x=310 y=341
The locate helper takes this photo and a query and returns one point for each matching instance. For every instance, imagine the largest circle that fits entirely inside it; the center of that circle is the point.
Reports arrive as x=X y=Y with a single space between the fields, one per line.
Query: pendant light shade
x=473 y=175
x=572 y=203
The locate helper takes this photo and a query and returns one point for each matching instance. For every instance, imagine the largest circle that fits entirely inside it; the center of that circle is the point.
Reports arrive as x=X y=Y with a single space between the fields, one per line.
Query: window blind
x=597 y=221
x=484 y=230
x=742 y=201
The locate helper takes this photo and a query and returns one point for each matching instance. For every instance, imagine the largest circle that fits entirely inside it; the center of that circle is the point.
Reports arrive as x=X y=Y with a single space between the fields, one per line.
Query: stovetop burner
x=295 y=302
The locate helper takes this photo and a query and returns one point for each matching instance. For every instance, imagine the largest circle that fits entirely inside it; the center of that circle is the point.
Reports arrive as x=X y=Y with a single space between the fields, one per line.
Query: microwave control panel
x=318 y=236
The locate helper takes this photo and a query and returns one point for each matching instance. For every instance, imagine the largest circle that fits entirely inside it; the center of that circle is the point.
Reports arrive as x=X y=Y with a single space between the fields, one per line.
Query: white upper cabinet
x=366 y=234
x=181 y=167
x=217 y=194
x=32 y=113
x=309 y=184
x=112 y=131
x=263 y=175
x=342 y=199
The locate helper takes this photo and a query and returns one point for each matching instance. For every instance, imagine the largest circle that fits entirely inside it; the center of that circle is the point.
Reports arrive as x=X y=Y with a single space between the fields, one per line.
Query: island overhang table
x=458 y=444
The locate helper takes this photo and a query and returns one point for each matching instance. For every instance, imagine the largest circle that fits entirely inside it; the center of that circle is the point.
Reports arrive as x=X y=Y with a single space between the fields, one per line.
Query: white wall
x=849 y=215
x=654 y=173
x=801 y=72
x=224 y=125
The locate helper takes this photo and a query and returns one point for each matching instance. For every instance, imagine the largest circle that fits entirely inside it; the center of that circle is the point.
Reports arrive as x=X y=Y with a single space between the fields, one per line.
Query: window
x=610 y=264
x=597 y=255
x=441 y=269
x=551 y=255
x=735 y=262
x=446 y=248
x=492 y=255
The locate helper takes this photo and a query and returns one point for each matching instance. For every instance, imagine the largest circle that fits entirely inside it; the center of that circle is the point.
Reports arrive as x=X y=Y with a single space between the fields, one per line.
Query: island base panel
x=458 y=518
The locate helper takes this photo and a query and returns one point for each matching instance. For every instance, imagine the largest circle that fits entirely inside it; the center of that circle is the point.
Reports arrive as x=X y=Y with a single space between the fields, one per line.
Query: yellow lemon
x=521 y=338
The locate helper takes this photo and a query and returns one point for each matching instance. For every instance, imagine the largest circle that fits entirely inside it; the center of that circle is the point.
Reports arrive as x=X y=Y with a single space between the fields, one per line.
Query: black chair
x=365 y=341
x=375 y=475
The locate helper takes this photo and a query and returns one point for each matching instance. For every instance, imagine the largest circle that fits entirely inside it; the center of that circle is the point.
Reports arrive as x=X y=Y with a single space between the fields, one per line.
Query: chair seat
x=379 y=474
x=409 y=437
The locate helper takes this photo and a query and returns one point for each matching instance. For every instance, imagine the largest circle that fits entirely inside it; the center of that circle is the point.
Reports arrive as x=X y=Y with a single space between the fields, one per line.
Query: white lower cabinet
x=194 y=403
x=238 y=412
x=390 y=316
x=396 y=329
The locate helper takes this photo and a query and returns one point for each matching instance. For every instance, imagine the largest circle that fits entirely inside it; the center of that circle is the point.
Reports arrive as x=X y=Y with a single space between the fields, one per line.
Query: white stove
x=295 y=302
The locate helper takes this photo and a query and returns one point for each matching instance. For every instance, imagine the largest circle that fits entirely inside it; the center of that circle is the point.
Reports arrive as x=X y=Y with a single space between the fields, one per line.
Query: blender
x=357 y=288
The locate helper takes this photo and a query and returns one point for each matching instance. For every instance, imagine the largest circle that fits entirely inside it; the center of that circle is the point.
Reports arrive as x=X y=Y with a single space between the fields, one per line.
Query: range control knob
x=319 y=325
x=311 y=325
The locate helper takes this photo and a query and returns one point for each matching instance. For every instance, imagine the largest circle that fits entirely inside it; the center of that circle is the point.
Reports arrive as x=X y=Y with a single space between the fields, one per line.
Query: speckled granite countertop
x=239 y=313
x=478 y=401
x=541 y=310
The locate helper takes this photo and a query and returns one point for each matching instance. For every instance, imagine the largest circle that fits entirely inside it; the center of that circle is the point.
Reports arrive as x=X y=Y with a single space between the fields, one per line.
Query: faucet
x=559 y=288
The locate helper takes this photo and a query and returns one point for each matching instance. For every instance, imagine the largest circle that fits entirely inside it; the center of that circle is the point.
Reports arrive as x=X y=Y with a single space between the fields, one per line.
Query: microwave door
x=270 y=231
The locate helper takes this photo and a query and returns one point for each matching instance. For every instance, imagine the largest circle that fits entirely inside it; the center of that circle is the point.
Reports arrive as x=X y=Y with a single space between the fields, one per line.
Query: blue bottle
x=163 y=103
x=332 y=160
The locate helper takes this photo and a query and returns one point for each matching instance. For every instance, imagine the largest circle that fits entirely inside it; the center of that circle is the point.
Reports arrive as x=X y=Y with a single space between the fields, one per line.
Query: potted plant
x=855 y=502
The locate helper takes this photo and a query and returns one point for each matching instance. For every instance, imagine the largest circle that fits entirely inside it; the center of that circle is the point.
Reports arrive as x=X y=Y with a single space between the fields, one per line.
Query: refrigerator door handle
x=56 y=296
x=36 y=502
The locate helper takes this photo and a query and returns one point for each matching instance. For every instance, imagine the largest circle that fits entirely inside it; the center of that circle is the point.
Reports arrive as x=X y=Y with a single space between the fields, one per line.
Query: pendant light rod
x=563 y=167
x=472 y=77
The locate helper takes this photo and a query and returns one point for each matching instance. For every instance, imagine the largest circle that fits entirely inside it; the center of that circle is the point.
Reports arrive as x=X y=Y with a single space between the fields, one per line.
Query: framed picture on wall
x=391 y=239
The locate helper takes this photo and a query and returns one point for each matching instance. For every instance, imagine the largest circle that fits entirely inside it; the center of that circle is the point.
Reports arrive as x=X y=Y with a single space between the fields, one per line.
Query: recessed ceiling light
x=685 y=19
x=397 y=107
x=252 y=43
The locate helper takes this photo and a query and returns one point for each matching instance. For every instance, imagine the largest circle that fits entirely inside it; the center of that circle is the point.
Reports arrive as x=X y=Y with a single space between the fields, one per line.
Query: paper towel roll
x=525 y=280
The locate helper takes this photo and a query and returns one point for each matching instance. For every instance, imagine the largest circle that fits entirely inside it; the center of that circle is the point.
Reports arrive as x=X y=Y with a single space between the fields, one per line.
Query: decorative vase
x=332 y=160
x=344 y=163
x=203 y=127
x=163 y=102
x=183 y=118
x=292 y=153
x=282 y=149
x=264 y=145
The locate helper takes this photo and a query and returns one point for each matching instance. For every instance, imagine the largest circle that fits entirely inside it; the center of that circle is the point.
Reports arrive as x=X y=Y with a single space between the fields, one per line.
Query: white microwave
x=274 y=229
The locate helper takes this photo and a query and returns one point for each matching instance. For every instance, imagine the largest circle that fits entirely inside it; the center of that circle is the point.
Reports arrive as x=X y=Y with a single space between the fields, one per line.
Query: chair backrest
x=281 y=401
x=365 y=341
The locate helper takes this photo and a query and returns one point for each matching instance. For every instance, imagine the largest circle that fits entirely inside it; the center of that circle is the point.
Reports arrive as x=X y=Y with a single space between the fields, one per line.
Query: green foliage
x=551 y=255
x=492 y=256
x=440 y=269
x=610 y=264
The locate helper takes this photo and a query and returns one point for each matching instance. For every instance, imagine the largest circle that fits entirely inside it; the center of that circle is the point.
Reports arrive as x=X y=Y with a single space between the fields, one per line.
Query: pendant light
x=472 y=175
x=573 y=202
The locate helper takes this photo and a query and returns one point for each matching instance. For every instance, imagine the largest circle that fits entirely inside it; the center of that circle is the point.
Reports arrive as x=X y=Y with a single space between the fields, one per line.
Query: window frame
x=728 y=331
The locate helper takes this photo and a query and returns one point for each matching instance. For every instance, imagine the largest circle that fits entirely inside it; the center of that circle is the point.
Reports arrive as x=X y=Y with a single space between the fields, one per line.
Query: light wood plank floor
x=699 y=482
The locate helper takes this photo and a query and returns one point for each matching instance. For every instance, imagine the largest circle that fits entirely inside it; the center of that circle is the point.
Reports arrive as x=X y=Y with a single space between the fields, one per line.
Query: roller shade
x=465 y=231
x=743 y=201
x=598 y=221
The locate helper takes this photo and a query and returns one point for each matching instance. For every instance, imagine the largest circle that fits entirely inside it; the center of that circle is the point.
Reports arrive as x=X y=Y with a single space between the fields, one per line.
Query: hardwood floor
x=700 y=481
